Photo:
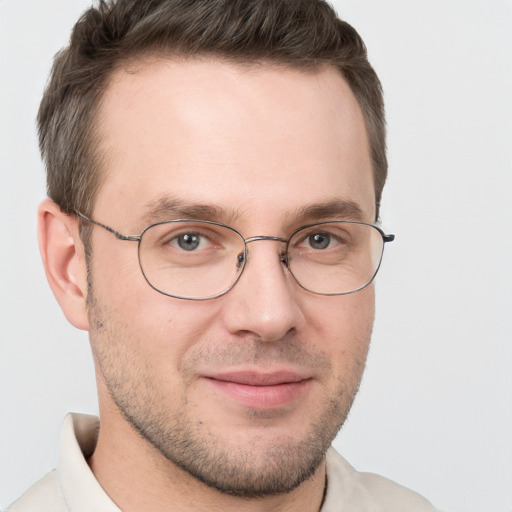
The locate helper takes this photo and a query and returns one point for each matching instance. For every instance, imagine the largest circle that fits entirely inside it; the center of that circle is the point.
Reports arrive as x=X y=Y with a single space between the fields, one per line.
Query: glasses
x=200 y=260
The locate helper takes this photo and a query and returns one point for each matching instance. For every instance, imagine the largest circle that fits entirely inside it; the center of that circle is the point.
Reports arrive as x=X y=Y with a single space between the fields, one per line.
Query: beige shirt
x=72 y=486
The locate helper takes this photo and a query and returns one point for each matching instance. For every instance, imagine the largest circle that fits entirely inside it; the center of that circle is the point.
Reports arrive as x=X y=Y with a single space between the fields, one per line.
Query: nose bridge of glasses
x=264 y=238
x=261 y=238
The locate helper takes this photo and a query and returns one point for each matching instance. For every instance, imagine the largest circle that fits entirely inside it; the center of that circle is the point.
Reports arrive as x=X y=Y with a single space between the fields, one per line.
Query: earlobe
x=64 y=261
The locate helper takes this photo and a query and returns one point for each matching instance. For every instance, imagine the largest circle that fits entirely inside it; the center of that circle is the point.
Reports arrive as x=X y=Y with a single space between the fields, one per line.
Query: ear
x=64 y=262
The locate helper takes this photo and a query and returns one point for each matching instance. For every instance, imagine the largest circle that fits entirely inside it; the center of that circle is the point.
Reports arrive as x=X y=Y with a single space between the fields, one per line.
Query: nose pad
x=240 y=259
x=284 y=259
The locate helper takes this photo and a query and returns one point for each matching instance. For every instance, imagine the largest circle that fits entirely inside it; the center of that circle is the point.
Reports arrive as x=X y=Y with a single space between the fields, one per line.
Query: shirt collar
x=82 y=491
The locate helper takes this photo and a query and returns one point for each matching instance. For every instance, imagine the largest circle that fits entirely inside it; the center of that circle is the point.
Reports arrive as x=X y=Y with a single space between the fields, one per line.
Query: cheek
x=344 y=325
x=114 y=271
x=159 y=329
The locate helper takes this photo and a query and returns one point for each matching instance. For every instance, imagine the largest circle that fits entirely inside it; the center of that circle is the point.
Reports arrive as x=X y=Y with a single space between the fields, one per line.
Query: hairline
x=149 y=57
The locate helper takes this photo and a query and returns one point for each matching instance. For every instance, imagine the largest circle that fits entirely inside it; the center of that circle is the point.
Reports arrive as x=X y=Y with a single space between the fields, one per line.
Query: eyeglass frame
x=386 y=238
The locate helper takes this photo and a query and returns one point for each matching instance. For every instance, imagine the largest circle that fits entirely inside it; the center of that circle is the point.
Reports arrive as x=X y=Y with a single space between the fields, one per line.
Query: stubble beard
x=249 y=471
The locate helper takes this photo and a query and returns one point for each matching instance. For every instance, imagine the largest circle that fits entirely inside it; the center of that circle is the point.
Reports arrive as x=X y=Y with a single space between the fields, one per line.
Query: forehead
x=249 y=139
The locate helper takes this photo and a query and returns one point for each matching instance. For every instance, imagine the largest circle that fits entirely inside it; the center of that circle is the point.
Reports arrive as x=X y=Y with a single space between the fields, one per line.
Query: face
x=245 y=392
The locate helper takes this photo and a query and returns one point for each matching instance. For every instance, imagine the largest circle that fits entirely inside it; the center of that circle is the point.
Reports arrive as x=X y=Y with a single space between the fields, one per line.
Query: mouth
x=260 y=390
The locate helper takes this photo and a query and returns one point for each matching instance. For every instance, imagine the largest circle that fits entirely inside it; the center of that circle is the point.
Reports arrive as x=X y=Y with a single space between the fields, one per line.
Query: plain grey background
x=435 y=407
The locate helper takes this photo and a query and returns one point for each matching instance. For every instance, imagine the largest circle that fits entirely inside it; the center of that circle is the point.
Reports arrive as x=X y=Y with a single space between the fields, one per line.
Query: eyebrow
x=336 y=209
x=167 y=208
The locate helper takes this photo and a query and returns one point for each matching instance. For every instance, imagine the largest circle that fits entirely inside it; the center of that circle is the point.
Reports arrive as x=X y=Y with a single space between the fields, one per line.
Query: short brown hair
x=304 y=34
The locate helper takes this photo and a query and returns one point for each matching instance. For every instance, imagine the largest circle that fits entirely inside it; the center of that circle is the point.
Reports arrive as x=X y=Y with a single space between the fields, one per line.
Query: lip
x=260 y=390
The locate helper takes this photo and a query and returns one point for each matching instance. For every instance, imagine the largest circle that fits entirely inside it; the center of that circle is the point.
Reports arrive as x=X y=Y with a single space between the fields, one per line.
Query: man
x=215 y=169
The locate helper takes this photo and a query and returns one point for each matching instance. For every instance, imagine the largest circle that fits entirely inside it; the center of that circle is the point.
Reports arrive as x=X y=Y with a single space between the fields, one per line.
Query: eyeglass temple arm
x=118 y=235
x=133 y=238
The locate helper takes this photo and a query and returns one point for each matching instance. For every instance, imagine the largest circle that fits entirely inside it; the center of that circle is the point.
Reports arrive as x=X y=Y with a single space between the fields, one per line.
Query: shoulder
x=44 y=495
x=350 y=490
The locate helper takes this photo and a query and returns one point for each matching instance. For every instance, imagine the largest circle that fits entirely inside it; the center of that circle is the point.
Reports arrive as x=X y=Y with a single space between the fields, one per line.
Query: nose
x=263 y=303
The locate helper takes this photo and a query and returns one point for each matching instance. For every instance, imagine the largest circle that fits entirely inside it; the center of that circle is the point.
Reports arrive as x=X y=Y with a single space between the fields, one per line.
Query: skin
x=259 y=143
